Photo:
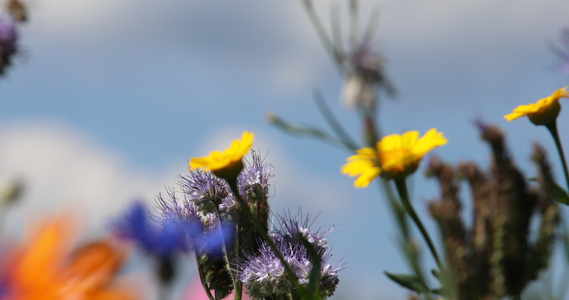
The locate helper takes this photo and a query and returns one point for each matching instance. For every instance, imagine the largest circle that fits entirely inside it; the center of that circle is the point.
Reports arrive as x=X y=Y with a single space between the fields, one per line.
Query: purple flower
x=8 y=36
x=8 y=42
x=264 y=274
x=291 y=228
x=210 y=194
x=253 y=182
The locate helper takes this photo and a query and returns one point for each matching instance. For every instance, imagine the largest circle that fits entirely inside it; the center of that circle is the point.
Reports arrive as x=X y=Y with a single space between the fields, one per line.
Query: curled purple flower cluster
x=263 y=273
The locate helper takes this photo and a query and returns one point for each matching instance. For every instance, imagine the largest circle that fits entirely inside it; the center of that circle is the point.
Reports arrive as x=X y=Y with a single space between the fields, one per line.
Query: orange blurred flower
x=44 y=269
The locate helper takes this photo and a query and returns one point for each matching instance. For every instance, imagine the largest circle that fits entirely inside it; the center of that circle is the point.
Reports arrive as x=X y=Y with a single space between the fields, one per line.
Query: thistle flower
x=44 y=268
x=229 y=163
x=263 y=273
x=395 y=156
x=544 y=112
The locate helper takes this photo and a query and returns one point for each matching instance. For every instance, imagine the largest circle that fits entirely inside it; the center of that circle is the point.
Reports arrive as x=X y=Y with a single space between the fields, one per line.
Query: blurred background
x=108 y=101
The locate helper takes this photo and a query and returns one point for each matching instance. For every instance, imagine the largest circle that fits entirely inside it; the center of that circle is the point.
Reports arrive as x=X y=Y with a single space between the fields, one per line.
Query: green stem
x=402 y=190
x=202 y=279
x=552 y=127
x=236 y=283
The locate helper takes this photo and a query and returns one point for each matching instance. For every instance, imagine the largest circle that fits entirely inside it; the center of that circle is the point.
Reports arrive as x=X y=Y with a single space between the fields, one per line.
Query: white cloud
x=63 y=169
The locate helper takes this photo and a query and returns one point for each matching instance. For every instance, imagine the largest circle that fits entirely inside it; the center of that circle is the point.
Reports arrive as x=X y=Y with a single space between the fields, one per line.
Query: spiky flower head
x=229 y=163
x=264 y=274
x=253 y=182
x=395 y=156
x=209 y=193
x=544 y=112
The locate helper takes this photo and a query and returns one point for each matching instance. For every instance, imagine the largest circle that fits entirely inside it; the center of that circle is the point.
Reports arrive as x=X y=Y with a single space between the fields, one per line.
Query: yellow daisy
x=543 y=112
x=226 y=163
x=394 y=157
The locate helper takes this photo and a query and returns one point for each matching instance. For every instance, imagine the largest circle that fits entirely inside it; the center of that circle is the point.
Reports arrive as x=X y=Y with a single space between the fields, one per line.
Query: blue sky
x=110 y=99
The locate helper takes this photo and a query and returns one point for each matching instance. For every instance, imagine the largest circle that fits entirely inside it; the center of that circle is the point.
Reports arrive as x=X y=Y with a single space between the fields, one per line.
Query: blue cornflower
x=136 y=226
x=253 y=182
x=204 y=231
x=263 y=273
x=175 y=235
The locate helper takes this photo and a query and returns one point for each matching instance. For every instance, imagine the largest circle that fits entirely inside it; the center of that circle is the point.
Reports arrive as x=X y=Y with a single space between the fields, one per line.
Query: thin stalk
x=321 y=32
x=354 y=23
x=552 y=127
x=236 y=283
x=342 y=135
x=404 y=195
x=202 y=279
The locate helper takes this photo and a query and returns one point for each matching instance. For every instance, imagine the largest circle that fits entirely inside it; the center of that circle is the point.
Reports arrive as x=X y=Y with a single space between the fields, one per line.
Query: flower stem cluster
x=495 y=258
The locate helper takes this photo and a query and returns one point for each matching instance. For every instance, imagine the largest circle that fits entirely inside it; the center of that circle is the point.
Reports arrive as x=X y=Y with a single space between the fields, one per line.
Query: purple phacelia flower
x=210 y=194
x=253 y=182
x=290 y=228
x=264 y=274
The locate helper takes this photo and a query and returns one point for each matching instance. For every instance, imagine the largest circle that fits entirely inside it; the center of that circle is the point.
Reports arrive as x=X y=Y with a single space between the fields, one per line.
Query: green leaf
x=559 y=194
x=411 y=282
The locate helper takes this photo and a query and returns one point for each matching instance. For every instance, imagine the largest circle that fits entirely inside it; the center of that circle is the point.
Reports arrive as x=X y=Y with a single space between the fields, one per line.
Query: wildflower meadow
x=293 y=150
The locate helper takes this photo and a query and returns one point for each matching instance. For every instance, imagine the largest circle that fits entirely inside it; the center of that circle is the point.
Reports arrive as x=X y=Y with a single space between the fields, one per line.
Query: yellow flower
x=394 y=157
x=543 y=112
x=226 y=164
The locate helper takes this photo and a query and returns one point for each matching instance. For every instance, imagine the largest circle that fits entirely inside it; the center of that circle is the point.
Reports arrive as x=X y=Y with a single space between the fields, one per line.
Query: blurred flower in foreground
x=226 y=164
x=135 y=225
x=8 y=42
x=543 y=112
x=263 y=273
x=394 y=157
x=44 y=268
x=176 y=236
